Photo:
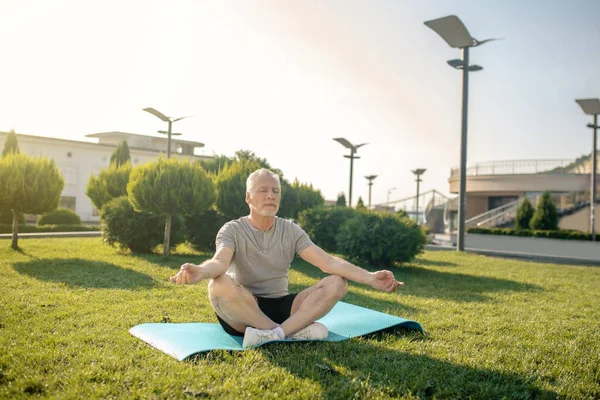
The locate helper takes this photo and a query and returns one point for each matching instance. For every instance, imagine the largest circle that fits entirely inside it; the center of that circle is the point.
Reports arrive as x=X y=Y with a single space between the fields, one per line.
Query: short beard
x=268 y=213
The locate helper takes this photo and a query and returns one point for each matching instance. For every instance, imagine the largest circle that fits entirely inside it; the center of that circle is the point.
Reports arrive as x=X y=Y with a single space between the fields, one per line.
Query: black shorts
x=276 y=308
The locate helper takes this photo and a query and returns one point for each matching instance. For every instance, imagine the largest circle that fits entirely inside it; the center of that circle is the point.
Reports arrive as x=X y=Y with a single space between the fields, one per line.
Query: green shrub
x=380 y=239
x=109 y=184
x=60 y=216
x=231 y=188
x=524 y=214
x=322 y=224
x=546 y=215
x=555 y=234
x=201 y=230
x=138 y=231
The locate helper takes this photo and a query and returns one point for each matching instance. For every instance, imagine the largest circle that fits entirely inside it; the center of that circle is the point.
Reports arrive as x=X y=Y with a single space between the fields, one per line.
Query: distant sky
x=282 y=78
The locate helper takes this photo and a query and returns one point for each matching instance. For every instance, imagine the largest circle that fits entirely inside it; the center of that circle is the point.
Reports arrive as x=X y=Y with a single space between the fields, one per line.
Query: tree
x=121 y=155
x=341 y=200
x=360 y=204
x=524 y=214
x=216 y=164
x=309 y=196
x=109 y=184
x=298 y=197
x=11 y=145
x=169 y=186
x=231 y=188
x=28 y=185
x=249 y=156
x=401 y=213
x=546 y=216
x=290 y=202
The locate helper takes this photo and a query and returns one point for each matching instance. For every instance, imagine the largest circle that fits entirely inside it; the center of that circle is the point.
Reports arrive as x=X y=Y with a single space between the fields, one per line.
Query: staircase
x=504 y=216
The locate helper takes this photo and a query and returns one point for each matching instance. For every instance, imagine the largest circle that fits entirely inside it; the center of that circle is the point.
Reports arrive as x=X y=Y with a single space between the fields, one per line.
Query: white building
x=77 y=160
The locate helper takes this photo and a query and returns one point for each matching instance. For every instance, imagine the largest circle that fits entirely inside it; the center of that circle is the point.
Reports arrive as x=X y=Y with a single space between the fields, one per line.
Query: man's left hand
x=384 y=280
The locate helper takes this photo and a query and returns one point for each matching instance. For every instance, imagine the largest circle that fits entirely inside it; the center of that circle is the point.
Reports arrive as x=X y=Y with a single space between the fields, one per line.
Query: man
x=248 y=274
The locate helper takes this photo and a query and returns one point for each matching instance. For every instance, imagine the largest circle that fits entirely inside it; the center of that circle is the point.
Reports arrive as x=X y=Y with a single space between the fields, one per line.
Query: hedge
x=559 y=234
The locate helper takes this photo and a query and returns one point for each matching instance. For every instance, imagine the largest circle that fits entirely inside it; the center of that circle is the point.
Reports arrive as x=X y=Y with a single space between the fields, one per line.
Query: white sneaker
x=255 y=337
x=315 y=331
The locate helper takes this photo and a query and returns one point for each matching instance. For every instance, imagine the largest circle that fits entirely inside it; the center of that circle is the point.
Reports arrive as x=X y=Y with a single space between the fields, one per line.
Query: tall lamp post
x=169 y=132
x=592 y=107
x=454 y=32
x=352 y=157
x=370 y=178
x=418 y=172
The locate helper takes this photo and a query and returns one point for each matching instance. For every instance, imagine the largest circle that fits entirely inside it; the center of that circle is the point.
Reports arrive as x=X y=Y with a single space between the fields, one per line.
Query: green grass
x=494 y=328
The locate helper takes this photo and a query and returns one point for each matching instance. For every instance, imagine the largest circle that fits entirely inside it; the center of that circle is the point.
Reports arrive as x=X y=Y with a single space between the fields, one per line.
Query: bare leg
x=314 y=302
x=236 y=305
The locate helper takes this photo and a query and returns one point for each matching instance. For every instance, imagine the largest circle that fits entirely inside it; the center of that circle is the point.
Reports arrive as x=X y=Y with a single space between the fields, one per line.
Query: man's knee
x=222 y=286
x=338 y=285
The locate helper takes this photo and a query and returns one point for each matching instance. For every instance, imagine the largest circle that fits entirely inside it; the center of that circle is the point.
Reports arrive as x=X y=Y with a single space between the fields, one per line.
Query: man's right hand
x=189 y=273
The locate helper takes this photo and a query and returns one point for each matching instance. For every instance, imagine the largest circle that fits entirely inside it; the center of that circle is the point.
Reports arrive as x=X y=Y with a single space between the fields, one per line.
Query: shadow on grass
x=423 y=282
x=433 y=263
x=356 y=368
x=84 y=273
x=174 y=261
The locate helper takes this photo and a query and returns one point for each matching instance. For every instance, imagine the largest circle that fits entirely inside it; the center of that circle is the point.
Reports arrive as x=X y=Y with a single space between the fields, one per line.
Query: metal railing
x=513 y=167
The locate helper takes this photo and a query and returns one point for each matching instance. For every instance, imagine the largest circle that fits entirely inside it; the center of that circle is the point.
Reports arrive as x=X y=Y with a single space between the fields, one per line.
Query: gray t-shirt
x=261 y=260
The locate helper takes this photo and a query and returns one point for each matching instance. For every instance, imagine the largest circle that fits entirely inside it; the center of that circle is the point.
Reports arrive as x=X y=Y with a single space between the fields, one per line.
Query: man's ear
x=248 y=198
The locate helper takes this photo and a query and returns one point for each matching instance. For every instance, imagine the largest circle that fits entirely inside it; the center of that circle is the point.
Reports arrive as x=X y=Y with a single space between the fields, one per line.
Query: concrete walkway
x=542 y=258
x=43 y=235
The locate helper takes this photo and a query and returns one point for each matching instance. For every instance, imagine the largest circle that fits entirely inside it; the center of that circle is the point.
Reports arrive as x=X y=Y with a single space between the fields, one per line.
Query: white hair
x=253 y=177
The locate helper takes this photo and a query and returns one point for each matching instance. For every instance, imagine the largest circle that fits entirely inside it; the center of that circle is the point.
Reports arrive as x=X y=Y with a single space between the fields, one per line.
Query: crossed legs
x=235 y=304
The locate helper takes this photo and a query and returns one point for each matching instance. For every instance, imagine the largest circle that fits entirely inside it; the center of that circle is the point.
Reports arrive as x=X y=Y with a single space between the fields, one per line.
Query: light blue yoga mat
x=183 y=340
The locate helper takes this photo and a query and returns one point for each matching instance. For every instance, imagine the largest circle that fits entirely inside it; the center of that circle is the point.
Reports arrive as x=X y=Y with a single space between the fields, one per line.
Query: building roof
x=126 y=134
x=107 y=145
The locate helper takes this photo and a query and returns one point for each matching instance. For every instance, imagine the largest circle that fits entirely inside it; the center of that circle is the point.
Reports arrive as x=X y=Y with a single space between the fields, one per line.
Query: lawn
x=494 y=328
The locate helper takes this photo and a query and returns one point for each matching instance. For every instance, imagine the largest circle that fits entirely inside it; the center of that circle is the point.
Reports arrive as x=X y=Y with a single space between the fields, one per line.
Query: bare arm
x=382 y=280
x=209 y=269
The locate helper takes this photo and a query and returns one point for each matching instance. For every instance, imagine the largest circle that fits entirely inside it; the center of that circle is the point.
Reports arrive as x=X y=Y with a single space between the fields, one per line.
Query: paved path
x=524 y=256
x=42 y=235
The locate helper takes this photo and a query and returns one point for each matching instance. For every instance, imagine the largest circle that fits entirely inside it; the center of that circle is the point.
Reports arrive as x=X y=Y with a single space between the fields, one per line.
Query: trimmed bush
x=201 y=230
x=231 y=188
x=109 y=184
x=60 y=216
x=555 y=234
x=323 y=224
x=170 y=187
x=524 y=214
x=546 y=215
x=138 y=231
x=380 y=239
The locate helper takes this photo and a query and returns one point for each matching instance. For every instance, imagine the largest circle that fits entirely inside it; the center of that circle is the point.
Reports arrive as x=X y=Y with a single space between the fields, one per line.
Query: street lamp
x=388 y=196
x=454 y=32
x=164 y=118
x=352 y=157
x=370 y=179
x=418 y=172
x=592 y=107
